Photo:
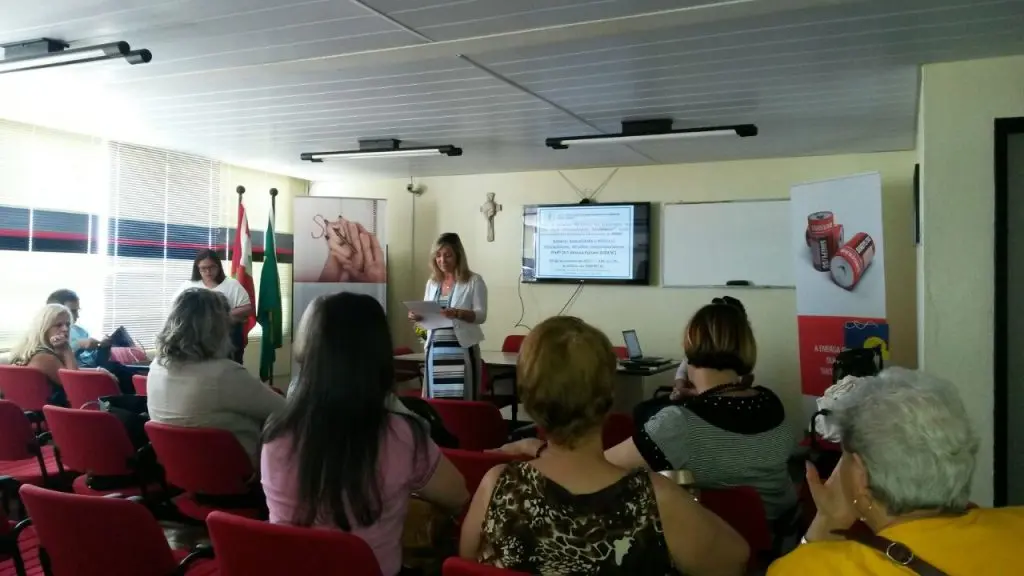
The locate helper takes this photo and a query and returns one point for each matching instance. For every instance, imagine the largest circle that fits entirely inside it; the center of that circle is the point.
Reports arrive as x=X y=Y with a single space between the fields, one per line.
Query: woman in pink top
x=336 y=457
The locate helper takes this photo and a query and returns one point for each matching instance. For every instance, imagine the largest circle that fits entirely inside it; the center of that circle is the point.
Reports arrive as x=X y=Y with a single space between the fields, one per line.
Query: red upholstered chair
x=248 y=547
x=86 y=386
x=96 y=536
x=477 y=425
x=474 y=465
x=96 y=444
x=19 y=554
x=512 y=343
x=463 y=567
x=617 y=428
x=741 y=507
x=22 y=455
x=211 y=467
x=139 y=381
x=26 y=387
x=621 y=353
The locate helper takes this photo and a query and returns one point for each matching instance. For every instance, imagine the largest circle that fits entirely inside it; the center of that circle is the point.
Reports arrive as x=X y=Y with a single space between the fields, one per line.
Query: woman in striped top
x=453 y=354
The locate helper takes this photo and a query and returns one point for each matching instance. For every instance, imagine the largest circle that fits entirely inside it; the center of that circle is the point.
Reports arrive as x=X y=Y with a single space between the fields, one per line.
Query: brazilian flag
x=269 y=310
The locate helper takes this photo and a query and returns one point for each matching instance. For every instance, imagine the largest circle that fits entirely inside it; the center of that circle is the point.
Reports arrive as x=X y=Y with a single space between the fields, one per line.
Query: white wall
x=960 y=102
x=452 y=204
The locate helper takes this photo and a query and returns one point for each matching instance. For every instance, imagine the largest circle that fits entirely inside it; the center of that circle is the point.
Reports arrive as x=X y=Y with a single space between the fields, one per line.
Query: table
x=627 y=393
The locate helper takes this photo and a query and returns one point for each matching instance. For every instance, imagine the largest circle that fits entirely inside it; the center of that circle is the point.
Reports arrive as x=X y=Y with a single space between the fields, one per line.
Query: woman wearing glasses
x=453 y=354
x=208 y=272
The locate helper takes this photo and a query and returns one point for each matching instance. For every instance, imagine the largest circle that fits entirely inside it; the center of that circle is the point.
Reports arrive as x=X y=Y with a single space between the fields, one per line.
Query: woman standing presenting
x=208 y=272
x=453 y=354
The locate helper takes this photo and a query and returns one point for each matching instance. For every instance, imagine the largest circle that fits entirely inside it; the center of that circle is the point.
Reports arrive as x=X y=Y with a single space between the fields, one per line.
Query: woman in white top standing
x=453 y=354
x=208 y=272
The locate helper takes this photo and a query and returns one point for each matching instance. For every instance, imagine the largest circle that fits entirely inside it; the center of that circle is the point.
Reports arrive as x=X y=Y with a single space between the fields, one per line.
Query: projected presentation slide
x=585 y=242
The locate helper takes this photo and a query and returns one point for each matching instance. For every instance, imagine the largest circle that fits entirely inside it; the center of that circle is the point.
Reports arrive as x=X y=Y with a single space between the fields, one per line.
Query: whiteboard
x=712 y=243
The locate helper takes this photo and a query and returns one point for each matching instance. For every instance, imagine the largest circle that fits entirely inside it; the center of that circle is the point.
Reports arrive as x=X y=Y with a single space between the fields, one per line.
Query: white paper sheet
x=430 y=314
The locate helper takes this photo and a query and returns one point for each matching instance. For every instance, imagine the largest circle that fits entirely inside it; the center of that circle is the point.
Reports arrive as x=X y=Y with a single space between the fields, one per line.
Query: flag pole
x=273 y=210
x=227 y=250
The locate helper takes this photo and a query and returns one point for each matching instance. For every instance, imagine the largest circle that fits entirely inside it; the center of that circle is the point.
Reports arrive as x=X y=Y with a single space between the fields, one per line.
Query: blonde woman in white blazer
x=453 y=354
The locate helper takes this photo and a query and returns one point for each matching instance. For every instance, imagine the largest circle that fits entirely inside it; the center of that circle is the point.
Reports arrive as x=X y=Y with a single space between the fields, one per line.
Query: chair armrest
x=200 y=552
x=19 y=528
x=34 y=416
x=44 y=438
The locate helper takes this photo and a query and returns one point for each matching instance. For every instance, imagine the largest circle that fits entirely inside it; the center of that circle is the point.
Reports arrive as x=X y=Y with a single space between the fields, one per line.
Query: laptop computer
x=636 y=356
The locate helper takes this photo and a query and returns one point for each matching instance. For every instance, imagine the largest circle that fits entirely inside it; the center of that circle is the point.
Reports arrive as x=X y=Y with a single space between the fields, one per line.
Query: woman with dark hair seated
x=909 y=454
x=571 y=511
x=338 y=456
x=208 y=272
x=728 y=432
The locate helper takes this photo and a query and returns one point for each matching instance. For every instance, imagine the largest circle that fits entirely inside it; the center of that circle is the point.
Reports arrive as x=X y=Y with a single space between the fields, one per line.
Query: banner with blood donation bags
x=840 y=272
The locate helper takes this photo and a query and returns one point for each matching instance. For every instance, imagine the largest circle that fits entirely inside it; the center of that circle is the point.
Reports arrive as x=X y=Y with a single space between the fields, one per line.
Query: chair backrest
x=96 y=536
x=463 y=567
x=618 y=427
x=477 y=425
x=85 y=386
x=403 y=350
x=512 y=343
x=474 y=465
x=16 y=436
x=621 y=352
x=90 y=441
x=139 y=382
x=202 y=460
x=25 y=386
x=742 y=508
x=247 y=547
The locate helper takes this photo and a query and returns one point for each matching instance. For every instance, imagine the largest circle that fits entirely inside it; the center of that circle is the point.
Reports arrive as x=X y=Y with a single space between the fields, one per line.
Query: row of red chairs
x=28 y=387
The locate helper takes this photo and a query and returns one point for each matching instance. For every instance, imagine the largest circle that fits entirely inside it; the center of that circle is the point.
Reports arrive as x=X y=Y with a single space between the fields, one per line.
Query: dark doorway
x=1009 y=312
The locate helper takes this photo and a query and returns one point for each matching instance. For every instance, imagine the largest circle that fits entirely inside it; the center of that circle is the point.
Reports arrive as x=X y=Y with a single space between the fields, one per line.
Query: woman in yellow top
x=908 y=457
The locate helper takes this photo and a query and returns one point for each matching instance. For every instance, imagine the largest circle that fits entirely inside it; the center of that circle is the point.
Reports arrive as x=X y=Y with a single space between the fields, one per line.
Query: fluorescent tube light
x=446 y=150
x=50 y=59
x=741 y=130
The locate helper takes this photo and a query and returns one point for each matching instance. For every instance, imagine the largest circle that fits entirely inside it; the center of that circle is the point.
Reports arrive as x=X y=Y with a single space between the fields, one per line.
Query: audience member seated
x=908 y=457
x=729 y=433
x=570 y=511
x=193 y=382
x=337 y=456
x=90 y=352
x=46 y=347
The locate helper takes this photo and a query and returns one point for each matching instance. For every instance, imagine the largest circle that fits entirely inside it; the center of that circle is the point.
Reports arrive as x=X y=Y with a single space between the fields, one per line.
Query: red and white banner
x=241 y=266
x=840 y=272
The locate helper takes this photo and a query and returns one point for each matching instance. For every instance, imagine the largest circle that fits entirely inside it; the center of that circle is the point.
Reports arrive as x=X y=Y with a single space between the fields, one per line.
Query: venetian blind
x=163 y=206
x=52 y=191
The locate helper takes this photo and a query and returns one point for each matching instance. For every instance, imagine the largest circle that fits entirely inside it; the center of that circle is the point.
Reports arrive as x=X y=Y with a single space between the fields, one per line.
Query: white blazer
x=470 y=295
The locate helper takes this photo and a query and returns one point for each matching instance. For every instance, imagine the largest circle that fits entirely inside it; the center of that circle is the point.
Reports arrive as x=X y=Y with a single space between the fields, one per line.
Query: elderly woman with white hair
x=908 y=457
x=194 y=383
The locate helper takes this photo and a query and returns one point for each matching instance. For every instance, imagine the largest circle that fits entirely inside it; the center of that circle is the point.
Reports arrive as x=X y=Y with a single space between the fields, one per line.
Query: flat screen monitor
x=593 y=243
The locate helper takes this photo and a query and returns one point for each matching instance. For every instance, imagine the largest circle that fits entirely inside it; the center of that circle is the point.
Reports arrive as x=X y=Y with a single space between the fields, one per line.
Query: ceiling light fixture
x=48 y=53
x=651 y=130
x=388 y=148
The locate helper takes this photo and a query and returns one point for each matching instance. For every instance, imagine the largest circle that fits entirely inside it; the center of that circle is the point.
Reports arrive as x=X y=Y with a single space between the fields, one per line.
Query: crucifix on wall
x=490 y=209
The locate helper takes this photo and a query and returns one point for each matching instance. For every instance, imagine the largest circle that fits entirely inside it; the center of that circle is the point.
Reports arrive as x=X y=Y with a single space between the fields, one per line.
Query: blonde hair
x=35 y=336
x=719 y=337
x=299 y=342
x=566 y=377
x=451 y=240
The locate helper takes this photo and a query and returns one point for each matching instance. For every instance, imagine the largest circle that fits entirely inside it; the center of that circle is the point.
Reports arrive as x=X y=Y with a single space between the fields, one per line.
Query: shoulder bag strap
x=894 y=551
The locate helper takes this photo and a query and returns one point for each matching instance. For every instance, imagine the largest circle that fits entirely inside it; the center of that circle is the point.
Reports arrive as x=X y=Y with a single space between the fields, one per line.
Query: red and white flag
x=241 y=266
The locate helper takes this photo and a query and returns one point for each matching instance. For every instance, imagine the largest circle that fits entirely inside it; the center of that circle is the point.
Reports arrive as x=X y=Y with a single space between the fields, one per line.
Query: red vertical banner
x=840 y=272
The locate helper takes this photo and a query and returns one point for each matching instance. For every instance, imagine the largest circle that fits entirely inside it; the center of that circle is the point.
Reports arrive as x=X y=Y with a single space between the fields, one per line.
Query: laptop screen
x=632 y=343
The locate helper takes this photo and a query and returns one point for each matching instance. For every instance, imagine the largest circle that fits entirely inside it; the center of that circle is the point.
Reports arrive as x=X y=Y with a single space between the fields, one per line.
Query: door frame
x=1004 y=128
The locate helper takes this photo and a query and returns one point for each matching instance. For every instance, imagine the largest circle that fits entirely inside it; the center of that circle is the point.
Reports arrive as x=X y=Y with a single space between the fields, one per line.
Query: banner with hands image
x=340 y=246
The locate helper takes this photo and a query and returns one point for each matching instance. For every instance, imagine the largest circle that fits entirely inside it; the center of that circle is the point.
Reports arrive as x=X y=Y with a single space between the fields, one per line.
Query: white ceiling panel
x=257 y=82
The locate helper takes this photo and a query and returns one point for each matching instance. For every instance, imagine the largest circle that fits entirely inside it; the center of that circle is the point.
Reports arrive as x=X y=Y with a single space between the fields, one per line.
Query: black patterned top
x=535 y=525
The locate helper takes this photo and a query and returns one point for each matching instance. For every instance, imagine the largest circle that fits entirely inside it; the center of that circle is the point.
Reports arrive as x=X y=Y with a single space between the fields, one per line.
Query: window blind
x=52 y=191
x=163 y=208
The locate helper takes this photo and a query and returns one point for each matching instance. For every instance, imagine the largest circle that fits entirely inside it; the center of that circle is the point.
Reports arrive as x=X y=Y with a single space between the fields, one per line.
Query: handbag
x=438 y=433
x=429 y=536
x=894 y=551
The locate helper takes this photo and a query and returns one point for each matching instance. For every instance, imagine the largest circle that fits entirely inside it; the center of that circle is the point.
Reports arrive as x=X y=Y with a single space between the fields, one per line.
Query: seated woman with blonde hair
x=570 y=511
x=908 y=458
x=46 y=347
